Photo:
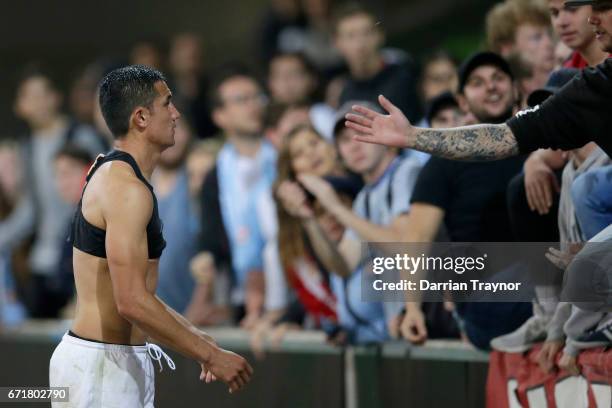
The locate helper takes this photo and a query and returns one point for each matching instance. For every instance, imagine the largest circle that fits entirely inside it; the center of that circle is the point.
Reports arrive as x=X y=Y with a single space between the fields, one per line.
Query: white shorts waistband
x=104 y=346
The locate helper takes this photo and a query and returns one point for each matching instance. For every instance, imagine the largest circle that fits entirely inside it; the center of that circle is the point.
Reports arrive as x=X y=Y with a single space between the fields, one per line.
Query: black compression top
x=91 y=239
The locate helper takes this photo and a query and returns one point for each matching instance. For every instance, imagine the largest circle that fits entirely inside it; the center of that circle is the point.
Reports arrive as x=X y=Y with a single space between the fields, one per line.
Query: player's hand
x=293 y=199
x=540 y=184
x=228 y=367
x=548 y=354
x=413 y=326
x=569 y=364
x=393 y=129
x=206 y=375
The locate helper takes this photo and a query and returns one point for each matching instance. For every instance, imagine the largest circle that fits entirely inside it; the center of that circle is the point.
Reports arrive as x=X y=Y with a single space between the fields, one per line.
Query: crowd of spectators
x=266 y=198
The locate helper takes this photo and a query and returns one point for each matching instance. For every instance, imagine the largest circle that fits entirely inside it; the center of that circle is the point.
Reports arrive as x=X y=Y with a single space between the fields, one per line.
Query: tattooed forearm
x=470 y=143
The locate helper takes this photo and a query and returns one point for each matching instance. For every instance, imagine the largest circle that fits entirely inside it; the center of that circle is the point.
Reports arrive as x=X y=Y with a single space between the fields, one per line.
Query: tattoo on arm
x=470 y=143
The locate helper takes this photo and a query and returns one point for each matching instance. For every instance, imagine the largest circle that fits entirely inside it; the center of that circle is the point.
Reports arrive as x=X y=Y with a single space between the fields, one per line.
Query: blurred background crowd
x=266 y=198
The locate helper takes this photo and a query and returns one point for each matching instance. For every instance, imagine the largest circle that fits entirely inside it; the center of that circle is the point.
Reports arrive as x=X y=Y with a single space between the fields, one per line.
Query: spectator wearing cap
x=468 y=199
x=378 y=214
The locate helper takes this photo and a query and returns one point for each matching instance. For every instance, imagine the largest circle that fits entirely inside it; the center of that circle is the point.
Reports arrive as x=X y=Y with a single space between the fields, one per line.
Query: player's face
x=311 y=154
x=601 y=20
x=174 y=156
x=164 y=116
x=489 y=94
x=571 y=24
x=361 y=158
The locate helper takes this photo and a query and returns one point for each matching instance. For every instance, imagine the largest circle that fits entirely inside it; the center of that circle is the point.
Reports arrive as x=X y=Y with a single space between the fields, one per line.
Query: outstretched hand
x=392 y=130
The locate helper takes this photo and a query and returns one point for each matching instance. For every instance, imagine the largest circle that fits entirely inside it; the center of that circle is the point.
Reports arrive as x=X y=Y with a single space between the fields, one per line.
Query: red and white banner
x=516 y=381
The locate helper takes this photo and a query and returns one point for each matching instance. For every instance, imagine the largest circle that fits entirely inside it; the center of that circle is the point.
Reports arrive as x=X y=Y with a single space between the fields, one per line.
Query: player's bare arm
x=126 y=211
x=478 y=142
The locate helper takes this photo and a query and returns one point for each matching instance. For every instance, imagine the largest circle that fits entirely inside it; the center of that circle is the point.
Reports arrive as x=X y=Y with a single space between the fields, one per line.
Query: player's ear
x=140 y=117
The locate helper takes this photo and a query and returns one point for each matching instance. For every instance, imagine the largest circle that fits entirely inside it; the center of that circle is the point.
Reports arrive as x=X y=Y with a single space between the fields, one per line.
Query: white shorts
x=104 y=375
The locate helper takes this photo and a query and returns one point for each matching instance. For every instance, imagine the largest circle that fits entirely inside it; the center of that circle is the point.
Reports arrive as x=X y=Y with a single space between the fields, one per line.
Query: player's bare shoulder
x=114 y=190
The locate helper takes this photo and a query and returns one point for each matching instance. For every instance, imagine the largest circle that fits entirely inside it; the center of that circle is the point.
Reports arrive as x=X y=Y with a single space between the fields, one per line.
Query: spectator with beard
x=468 y=199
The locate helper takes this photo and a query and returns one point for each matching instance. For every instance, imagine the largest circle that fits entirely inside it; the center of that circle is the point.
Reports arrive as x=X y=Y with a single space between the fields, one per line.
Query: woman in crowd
x=304 y=151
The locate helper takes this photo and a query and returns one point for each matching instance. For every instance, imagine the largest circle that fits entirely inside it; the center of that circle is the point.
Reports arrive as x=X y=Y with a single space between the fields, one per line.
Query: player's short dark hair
x=225 y=73
x=76 y=153
x=124 y=89
x=348 y=10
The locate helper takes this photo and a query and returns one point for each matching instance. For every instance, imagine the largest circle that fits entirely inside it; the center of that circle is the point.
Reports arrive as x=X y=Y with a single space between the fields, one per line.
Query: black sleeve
x=213 y=237
x=433 y=185
x=576 y=115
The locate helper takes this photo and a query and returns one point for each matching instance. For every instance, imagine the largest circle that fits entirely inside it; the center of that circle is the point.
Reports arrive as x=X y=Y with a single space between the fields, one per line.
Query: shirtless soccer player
x=105 y=359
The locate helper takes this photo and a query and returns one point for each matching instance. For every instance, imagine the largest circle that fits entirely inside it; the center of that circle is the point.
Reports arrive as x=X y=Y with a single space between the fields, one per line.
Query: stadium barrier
x=303 y=372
